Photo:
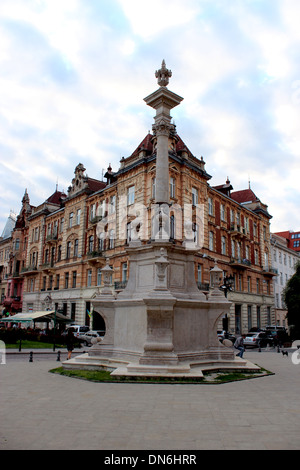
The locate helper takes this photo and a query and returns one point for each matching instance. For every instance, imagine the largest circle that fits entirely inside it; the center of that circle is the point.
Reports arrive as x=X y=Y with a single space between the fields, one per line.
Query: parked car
x=256 y=339
x=222 y=334
x=278 y=333
x=88 y=336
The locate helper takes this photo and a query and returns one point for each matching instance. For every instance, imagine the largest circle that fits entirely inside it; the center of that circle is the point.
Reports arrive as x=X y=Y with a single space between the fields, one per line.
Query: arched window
x=68 y=250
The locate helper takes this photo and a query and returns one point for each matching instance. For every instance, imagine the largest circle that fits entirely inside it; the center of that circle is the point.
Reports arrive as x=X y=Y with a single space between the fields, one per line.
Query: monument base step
x=124 y=368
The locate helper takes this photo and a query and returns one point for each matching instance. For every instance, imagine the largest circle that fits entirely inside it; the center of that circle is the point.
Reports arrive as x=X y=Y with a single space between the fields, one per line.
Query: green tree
x=291 y=296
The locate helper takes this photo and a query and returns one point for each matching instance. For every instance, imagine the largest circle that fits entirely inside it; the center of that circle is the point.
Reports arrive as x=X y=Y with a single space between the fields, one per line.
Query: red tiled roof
x=95 y=185
x=56 y=197
x=245 y=195
x=146 y=144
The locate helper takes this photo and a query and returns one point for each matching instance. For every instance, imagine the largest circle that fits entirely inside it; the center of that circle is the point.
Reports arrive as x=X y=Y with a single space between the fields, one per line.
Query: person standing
x=70 y=343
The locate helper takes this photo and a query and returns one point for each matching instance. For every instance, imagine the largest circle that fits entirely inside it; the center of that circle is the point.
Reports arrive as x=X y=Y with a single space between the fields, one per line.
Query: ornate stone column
x=162 y=100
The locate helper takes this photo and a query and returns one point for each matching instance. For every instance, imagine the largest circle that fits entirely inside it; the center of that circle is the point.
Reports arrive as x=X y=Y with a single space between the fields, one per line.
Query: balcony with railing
x=242 y=263
x=94 y=257
x=29 y=270
x=238 y=231
x=52 y=237
x=270 y=271
x=96 y=219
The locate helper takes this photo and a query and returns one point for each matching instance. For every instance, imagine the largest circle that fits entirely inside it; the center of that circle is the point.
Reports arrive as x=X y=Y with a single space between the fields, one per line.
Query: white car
x=258 y=339
x=91 y=335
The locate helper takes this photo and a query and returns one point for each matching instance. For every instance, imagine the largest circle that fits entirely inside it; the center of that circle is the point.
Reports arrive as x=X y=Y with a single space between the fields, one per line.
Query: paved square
x=39 y=410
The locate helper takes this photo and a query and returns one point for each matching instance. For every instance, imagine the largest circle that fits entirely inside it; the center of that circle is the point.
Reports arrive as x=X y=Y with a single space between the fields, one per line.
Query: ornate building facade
x=284 y=260
x=69 y=239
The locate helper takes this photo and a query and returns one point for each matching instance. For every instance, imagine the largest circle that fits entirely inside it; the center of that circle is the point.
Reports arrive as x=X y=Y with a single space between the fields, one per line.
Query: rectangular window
x=194 y=196
x=57 y=281
x=199 y=273
x=210 y=206
x=153 y=188
x=99 y=277
x=172 y=187
x=240 y=282
x=93 y=211
x=89 y=278
x=124 y=271
x=258 y=316
x=211 y=241
x=112 y=205
x=71 y=219
x=76 y=248
x=222 y=212
x=232 y=216
x=255 y=229
x=78 y=214
x=68 y=254
x=223 y=246
x=66 y=280
x=74 y=278
x=130 y=195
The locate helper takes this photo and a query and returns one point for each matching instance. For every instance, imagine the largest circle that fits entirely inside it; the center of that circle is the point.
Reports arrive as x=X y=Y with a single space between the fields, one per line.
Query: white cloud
x=150 y=18
x=74 y=75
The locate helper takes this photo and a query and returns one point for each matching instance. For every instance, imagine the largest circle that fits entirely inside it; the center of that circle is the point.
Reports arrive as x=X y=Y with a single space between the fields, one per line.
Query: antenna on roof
x=249 y=182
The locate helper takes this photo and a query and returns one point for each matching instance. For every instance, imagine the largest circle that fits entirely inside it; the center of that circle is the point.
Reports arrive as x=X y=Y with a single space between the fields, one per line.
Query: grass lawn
x=216 y=377
x=32 y=345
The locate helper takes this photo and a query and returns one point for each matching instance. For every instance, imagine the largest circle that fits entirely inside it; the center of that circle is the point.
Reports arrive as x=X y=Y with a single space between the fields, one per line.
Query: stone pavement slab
x=44 y=411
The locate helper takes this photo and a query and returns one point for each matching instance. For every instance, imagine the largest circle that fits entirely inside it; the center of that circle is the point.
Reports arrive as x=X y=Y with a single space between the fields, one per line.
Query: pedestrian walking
x=239 y=344
x=70 y=342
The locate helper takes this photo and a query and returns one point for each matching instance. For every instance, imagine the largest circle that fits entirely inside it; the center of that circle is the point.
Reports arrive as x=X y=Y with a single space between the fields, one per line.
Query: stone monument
x=161 y=324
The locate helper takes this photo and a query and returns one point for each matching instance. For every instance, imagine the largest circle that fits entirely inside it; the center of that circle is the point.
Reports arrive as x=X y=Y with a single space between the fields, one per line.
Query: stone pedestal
x=161 y=324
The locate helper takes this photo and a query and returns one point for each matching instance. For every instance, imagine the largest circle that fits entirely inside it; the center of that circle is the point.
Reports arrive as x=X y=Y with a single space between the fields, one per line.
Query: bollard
x=58 y=356
x=31 y=356
x=278 y=349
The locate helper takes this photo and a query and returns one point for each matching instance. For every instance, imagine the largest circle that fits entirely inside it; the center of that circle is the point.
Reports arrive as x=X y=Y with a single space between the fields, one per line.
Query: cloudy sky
x=74 y=74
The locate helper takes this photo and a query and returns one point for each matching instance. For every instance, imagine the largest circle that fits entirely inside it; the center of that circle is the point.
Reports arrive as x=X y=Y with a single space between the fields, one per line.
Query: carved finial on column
x=163 y=75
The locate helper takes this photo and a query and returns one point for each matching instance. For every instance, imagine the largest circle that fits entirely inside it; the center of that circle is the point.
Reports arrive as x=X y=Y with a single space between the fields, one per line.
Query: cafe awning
x=46 y=315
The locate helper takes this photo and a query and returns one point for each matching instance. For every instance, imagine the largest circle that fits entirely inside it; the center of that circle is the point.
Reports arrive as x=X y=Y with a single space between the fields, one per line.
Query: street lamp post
x=227 y=285
x=48 y=303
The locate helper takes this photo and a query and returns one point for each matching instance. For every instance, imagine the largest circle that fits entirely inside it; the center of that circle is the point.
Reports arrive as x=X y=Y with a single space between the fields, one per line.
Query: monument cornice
x=163 y=96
